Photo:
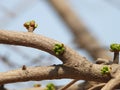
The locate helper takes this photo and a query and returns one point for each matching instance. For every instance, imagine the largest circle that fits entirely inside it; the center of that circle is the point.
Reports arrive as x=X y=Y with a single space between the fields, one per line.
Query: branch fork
x=74 y=65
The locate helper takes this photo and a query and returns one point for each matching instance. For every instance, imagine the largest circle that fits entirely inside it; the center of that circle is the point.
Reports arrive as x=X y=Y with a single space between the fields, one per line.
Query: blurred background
x=88 y=26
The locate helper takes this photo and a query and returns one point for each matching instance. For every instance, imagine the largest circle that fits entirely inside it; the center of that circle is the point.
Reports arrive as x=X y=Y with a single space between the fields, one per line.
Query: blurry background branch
x=83 y=37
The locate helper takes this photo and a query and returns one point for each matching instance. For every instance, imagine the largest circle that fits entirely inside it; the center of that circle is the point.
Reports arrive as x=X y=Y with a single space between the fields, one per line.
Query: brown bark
x=74 y=66
x=70 y=58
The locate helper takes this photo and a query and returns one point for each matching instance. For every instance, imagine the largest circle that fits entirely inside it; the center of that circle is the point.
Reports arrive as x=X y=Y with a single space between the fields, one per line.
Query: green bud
x=58 y=49
x=61 y=45
x=62 y=49
x=50 y=86
x=115 y=47
x=57 y=53
x=105 y=70
x=26 y=24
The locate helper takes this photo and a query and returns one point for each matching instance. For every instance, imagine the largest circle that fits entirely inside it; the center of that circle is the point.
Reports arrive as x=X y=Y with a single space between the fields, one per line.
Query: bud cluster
x=30 y=26
x=105 y=70
x=115 y=47
x=59 y=49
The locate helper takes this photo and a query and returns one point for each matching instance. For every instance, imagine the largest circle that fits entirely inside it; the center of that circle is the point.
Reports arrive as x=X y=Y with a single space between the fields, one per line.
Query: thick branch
x=53 y=72
x=33 y=73
x=74 y=66
x=36 y=41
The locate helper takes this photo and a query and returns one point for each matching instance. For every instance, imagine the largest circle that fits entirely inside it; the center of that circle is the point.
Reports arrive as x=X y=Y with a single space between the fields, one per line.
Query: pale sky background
x=102 y=17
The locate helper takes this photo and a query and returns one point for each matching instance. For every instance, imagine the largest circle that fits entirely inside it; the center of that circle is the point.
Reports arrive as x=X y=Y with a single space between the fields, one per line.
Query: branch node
x=30 y=26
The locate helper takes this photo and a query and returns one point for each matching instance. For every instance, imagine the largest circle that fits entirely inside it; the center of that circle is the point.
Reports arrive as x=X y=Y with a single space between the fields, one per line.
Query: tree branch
x=52 y=72
x=68 y=85
x=33 y=73
x=74 y=66
x=97 y=87
x=37 y=41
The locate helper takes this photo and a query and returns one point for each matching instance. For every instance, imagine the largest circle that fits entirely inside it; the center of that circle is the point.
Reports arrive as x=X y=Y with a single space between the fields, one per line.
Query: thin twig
x=69 y=84
x=97 y=87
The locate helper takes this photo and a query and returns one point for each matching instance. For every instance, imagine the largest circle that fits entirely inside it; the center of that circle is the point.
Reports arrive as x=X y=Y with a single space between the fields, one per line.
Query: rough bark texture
x=74 y=66
x=69 y=58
